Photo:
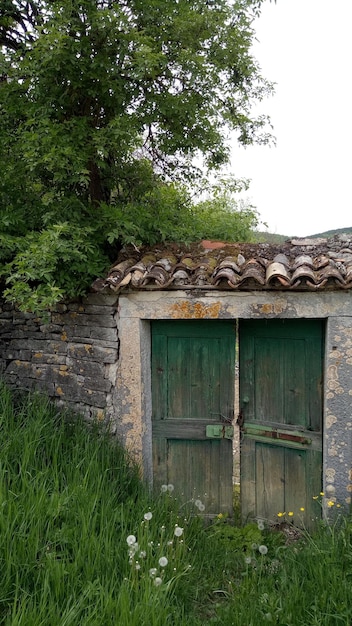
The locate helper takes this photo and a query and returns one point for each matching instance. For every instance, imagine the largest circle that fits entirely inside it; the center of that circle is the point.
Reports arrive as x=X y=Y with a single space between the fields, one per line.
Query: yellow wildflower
x=330 y=503
x=281 y=514
x=322 y=493
x=302 y=508
x=290 y=513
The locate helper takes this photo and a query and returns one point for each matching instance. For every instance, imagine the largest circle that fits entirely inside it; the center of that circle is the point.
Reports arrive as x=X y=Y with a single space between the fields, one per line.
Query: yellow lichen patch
x=195 y=310
x=330 y=420
x=38 y=355
x=63 y=370
x=100 y=415
x=88 y=347
x=64 y=336
x=59 y=391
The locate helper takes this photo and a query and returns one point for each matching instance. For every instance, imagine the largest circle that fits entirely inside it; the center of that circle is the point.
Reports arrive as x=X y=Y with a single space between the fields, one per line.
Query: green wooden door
x=281 y=365
x=193 y=366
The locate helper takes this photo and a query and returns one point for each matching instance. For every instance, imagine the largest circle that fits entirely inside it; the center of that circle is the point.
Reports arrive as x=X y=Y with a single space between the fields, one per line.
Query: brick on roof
x=298 y=264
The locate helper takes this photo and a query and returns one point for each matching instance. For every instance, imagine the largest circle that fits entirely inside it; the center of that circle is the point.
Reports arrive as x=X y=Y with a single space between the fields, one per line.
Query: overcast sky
x=302 y=186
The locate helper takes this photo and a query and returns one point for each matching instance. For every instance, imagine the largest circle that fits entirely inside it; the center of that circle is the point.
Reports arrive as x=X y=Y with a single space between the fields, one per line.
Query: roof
x=298 y=264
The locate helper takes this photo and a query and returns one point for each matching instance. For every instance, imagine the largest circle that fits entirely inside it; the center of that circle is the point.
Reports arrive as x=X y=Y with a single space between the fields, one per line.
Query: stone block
x=92 y=351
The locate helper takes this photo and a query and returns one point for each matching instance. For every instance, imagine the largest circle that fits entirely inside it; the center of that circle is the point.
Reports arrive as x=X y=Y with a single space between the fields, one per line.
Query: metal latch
x=219 y=431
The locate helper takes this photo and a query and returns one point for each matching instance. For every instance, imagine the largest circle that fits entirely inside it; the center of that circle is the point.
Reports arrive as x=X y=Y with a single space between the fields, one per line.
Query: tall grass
x=83 y=542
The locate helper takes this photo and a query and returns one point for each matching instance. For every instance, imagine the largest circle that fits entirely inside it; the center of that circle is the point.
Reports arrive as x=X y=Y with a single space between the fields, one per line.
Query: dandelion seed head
x=170 y=487
x=263 y=549
x=131 y=539
x=247 y=560
x=163 y=561
x=152 y=572
x=157 y=581
x=178 y=531
x=201 y=507
x=260 y=524
x=163 y=488
x=148 y=516
x=137 y=566
x=142 y=554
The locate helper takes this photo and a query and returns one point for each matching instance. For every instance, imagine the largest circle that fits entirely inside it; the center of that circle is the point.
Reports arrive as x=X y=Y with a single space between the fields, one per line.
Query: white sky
x=303 y=185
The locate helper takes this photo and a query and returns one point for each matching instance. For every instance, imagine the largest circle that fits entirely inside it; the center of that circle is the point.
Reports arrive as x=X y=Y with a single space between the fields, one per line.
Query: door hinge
x=219 y=431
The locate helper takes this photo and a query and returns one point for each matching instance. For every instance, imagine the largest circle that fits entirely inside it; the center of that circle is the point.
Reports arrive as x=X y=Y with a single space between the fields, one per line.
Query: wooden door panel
x=281 y=405
x=193 y=387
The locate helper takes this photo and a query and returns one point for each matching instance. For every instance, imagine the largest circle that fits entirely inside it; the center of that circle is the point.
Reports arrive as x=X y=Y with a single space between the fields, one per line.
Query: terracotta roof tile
x=299 y=264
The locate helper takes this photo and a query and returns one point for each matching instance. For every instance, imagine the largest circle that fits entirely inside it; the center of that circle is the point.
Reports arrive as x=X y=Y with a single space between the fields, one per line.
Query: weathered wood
x=281 y=365
x=193 y=386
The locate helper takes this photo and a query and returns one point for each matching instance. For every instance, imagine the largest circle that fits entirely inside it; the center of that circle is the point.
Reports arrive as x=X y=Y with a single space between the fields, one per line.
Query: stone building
x=154 y=349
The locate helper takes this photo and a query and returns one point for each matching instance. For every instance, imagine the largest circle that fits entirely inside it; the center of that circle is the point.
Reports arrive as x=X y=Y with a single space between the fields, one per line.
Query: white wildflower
x=131 y=539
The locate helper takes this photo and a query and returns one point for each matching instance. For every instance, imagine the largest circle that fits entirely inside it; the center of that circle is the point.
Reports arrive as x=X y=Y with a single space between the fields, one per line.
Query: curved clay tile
x=180 y=277
x=281 y=258
x=229 y=262
x=277 y=271
x=137 y=277
x=229 y=275
x=157 y=275
x=305 y=273
x=331 y=273
x=303 y=259
x=253 y=270
x=321 y=261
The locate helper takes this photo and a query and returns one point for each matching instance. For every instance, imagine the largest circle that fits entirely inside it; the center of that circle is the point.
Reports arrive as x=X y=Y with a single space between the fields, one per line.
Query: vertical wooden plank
x=248 y=480
x=159 y=376
x=178 y=377
x=297 y=488
x=199 y=362
x=270 y=480
x=294 y=389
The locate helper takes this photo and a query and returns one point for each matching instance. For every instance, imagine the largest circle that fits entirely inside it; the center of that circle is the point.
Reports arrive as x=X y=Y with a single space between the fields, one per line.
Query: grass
x=84 y=543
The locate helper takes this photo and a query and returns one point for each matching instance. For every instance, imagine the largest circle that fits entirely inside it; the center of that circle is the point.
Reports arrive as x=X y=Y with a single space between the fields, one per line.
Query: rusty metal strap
x=278 y=435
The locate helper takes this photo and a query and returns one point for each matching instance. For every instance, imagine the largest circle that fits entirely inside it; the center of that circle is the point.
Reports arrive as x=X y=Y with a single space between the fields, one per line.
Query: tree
x=103 y=106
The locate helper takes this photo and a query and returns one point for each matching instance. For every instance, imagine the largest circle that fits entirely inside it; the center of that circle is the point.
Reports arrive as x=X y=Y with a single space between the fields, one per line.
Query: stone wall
x=338 y=411
x=71 y=355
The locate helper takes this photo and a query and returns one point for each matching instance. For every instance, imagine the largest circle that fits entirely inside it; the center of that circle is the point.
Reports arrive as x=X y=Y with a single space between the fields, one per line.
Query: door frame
x=130 y=409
